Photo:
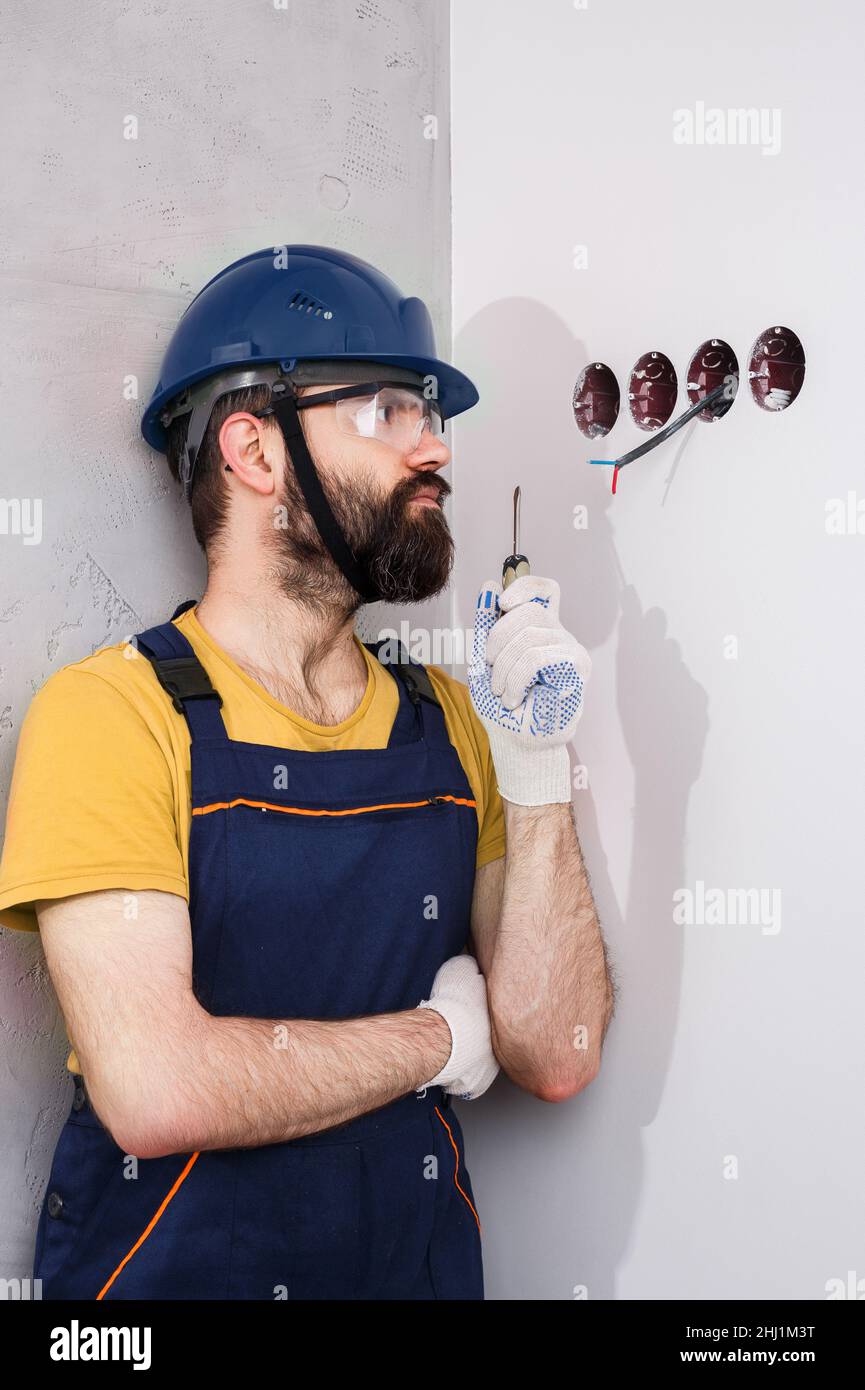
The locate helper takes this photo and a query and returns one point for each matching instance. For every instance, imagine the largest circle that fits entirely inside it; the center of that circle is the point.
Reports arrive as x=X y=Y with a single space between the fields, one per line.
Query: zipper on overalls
x=424 y=801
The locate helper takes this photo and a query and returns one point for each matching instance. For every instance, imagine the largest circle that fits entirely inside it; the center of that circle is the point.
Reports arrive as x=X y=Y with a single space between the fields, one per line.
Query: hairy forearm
x=549 y=988
x=231 y=1082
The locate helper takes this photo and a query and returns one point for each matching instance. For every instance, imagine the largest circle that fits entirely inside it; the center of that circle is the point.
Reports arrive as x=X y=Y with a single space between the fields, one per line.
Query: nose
x=430 y=452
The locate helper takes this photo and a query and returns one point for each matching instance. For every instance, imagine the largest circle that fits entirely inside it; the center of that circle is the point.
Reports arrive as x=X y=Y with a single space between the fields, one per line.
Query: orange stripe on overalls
x=149 y=1227
x=304 y=811
x=457 y=1165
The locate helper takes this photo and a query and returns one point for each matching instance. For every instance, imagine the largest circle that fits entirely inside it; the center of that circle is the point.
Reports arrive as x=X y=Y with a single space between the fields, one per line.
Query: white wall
x=746 y=773
x=256 y=127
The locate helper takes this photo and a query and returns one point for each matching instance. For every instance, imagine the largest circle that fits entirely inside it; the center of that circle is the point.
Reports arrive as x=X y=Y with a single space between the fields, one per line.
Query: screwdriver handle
x=515 y=567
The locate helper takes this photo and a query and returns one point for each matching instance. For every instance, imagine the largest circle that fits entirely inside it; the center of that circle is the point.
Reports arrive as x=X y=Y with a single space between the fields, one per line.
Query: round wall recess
x=776 y=369
x=712 y=364
x=596 y=400
x=652 y=391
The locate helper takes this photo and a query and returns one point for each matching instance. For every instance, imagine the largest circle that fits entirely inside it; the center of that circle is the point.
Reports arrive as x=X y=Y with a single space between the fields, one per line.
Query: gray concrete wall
x=255 y=126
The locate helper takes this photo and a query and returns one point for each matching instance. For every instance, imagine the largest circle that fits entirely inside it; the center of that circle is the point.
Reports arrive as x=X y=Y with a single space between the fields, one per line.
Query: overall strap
x=182 y=675
x=420 y=715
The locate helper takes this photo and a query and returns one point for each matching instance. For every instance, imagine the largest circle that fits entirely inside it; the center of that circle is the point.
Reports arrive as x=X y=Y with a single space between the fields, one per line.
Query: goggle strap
x=367 y=388
x=285 y=411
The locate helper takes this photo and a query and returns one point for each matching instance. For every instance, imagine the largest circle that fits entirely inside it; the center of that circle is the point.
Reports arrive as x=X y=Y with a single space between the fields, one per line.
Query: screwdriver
x=515 y=565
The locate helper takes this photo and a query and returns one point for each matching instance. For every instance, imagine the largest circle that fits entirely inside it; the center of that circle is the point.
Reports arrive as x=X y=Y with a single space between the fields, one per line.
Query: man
x=257 y=855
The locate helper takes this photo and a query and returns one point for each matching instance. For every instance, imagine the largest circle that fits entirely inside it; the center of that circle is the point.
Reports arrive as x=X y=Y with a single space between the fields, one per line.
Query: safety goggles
x=390 y=412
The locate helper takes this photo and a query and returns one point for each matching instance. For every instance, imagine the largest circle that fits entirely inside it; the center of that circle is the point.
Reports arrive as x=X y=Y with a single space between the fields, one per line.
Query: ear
x=246 y=449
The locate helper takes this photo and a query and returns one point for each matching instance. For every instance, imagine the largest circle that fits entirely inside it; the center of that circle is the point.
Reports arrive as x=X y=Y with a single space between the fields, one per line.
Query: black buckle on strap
x=184 y=678
x=417 y=683
x=414 y=676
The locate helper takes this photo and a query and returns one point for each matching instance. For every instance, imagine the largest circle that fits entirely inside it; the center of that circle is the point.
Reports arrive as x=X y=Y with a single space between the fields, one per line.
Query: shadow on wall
x=558 y=1187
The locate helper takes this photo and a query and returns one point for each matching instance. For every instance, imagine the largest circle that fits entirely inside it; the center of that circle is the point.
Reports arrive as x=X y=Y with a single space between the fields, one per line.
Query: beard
x=408 y=549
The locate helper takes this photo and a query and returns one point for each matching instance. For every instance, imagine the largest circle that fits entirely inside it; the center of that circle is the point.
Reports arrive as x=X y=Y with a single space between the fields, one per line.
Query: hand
x=459 y=994
x=526 y=682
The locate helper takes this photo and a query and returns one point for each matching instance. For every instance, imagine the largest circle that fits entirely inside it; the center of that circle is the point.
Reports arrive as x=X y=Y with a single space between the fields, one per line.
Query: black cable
x=668 y=430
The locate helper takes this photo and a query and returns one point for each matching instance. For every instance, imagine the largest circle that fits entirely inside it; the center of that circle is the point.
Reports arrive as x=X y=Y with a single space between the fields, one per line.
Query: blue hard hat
x=291 y=303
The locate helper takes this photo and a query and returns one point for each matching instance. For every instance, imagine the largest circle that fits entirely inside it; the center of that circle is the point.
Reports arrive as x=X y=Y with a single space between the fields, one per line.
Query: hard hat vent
x=302 y=303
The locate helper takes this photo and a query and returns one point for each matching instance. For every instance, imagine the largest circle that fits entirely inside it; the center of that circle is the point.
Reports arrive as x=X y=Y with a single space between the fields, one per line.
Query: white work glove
x=459 y=994
x=526 y=681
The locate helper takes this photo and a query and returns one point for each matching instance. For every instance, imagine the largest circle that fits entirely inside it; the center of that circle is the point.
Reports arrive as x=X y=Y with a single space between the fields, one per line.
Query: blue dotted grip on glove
x=552 y=698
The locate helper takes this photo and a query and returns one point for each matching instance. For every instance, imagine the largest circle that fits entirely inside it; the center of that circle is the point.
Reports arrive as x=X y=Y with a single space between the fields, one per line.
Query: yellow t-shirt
x=101 y=796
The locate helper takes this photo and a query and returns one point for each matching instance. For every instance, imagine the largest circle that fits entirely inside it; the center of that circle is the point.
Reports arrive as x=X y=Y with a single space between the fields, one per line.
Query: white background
x=743 y=773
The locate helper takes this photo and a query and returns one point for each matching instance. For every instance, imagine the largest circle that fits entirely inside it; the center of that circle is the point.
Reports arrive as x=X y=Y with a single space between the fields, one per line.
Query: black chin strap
x=285 y=412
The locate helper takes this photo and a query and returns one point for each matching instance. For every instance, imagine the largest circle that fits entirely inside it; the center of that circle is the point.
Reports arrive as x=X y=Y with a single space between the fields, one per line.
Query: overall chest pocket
x=336 y=916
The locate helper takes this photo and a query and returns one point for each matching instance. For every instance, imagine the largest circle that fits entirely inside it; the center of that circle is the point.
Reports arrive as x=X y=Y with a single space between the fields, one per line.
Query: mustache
x=413 y=487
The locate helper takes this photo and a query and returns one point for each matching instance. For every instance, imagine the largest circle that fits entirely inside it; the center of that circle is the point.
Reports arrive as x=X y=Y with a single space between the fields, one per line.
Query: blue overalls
x=324 y=885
